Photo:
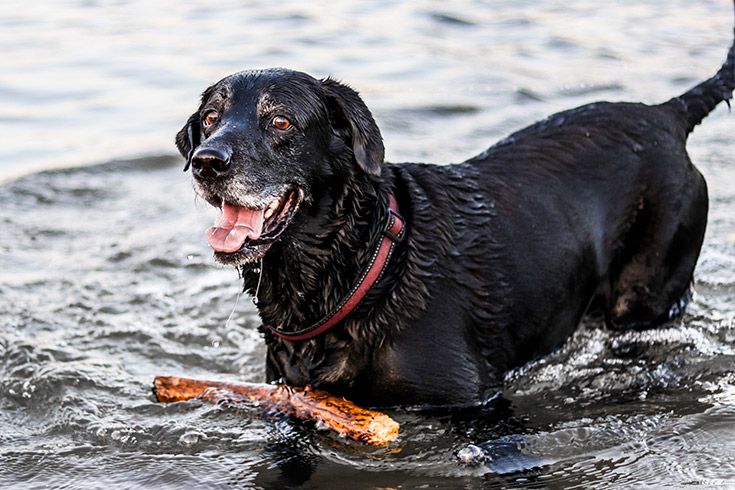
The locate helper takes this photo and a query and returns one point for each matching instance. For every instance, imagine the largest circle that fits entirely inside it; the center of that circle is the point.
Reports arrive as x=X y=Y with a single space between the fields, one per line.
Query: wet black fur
x=593 y=208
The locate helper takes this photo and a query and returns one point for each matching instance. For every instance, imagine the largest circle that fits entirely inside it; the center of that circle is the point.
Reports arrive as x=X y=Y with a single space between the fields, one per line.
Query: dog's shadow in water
x=291 y=463
x=503 y=435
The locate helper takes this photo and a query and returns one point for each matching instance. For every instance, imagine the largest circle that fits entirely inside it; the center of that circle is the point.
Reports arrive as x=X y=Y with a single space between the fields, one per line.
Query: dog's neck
x=394 y=230
x=310 y=272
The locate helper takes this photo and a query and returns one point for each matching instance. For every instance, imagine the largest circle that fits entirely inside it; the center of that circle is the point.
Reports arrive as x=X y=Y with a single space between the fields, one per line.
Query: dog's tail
x=696 y=103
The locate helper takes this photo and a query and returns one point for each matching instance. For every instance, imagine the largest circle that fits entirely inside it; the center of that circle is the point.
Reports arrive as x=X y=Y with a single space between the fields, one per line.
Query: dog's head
x=261 y=146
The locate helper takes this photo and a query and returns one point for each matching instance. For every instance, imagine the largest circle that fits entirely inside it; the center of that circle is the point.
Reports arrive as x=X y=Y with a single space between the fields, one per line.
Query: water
x=106 y=279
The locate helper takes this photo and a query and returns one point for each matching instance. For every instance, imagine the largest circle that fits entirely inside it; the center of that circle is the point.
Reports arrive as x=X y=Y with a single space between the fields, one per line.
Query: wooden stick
x=340 y=415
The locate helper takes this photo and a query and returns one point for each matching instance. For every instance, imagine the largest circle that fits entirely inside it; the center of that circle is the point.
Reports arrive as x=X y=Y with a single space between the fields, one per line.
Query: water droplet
x=472 y=455
x=190 y=438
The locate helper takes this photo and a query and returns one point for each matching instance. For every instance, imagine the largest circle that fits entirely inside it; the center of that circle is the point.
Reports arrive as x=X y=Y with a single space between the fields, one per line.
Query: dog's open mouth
x=248 y=232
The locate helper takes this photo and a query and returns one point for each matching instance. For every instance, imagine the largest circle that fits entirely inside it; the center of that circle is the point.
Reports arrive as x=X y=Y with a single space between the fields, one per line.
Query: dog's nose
x=209 y=163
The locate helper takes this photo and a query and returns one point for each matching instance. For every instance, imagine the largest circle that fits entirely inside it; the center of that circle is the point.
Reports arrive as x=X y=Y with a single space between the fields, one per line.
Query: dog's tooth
x=268 y=213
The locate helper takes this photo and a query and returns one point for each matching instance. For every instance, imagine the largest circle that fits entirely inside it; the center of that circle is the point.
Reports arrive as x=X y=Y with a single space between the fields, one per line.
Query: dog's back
x=597 y=207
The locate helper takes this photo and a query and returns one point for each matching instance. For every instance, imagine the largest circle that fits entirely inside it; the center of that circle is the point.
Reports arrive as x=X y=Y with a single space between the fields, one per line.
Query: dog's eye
x=281 y=123
x=211 y=117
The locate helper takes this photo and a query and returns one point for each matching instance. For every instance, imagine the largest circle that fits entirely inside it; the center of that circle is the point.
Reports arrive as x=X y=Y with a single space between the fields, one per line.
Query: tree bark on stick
x=340 y=415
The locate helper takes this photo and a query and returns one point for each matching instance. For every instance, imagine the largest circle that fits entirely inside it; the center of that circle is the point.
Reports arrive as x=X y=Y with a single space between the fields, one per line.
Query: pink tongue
x=233 y=226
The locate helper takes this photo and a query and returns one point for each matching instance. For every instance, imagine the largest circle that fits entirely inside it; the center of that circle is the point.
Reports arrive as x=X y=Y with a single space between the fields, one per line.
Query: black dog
x=419 y=284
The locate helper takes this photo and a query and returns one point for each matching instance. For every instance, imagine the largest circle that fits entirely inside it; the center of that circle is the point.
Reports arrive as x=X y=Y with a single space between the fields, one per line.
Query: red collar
x=393 y=233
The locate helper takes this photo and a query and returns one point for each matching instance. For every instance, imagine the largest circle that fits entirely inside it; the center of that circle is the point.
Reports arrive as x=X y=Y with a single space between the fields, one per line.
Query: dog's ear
x=351 y=120
x=188 y=138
